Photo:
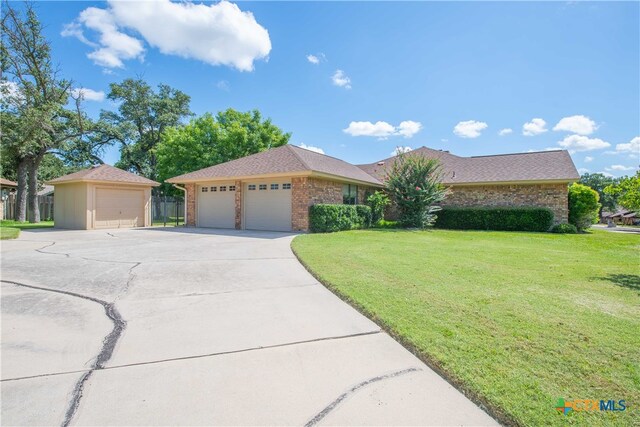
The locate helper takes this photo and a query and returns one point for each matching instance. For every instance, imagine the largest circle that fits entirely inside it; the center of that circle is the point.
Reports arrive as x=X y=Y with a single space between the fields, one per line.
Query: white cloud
x=10 y=93
x=607 y=174
x=588 y=159
x=534 y=127
x=619 y=168
x=505 y=131
x=311 y=148
x=113 y=46
x=581 y=125
x=223 y=85
x=632 y=147
x=383 y=130
x=341 y=79
x=582 y=171
x=408 y=128
x=469 y=129
x=217 y=34
x=88 y=94
x=575 y=143
x=401 y=150
x=444 y=140
x=313 y=59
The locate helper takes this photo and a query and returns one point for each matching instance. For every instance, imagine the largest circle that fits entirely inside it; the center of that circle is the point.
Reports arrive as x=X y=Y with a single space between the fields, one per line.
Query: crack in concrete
x=108 y=343
x=266 y=288
x=112 y=235
x=50 y=253
x=201 y=356
x=320 y=415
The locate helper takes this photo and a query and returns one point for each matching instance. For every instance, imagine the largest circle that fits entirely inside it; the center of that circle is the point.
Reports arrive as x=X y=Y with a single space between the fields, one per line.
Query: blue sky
x=448 y=75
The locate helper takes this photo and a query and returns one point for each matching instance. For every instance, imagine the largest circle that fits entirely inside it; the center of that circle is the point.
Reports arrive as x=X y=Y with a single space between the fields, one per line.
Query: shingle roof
x=7 y=183
x=104 y=173
x=537 y=166
x=280 y=160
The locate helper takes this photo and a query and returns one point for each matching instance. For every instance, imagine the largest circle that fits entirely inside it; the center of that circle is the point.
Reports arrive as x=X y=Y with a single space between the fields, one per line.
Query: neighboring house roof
x=284 y=160
x=502 y=168
x=629 y=215
x=46 y=190
x=7 y=183
x=103 y=173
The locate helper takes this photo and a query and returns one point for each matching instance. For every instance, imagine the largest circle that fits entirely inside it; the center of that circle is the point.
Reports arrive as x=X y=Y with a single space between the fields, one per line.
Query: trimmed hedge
x=499 y=219
x=564 y=229
x=324 y=218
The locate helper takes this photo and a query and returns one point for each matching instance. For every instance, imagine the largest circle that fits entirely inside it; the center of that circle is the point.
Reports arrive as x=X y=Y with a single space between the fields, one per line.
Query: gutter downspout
x=185 y=201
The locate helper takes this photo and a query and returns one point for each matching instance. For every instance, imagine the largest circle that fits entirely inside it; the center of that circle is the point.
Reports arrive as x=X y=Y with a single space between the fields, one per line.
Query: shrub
x=325 y=218
x=564 y=229
x=378 y=201
x=583 y=206
x=499 y=219
x=414 y=184
x=383 y=223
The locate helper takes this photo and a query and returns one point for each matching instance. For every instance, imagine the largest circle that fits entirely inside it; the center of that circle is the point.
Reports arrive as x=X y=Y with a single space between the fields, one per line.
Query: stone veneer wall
x=552 y=196
x=191 y=204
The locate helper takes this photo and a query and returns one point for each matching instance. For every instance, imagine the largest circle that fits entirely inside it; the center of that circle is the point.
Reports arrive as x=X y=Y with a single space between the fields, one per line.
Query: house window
x=263 y=186
x=286 y=186
x=350 y=194
x=214 y=188
x=223 y=188
x=232 y=188
x=274 y=186
x=205 y=189
x=252 y=186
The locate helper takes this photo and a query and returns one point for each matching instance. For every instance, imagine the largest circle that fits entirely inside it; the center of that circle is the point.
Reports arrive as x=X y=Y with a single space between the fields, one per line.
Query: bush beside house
x=326 y=218
x=497 y=219
x=583 y=206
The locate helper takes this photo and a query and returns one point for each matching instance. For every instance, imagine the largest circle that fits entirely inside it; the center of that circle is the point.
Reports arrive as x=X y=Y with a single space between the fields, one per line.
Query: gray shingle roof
x=537 y=166
x=104 y=173
x=285 y=159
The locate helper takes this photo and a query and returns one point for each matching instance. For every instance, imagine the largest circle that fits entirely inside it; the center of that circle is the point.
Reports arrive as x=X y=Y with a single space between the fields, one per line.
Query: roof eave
x=515 y=182
x=179 y=180
x=100 y=181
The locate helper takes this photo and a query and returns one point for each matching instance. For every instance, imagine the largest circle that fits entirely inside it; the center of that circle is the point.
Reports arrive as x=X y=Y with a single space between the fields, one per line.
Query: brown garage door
x=119 y=208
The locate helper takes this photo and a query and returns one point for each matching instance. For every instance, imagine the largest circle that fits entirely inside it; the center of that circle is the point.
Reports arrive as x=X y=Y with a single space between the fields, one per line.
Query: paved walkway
x=192 y=327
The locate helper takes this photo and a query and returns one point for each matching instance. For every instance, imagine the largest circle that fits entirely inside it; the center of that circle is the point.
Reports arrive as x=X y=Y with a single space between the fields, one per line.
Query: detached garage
x=102 y=197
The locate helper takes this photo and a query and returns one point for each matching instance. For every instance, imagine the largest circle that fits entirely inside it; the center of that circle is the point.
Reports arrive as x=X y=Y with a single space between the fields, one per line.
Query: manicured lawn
x=11 y=229
x=516 y=319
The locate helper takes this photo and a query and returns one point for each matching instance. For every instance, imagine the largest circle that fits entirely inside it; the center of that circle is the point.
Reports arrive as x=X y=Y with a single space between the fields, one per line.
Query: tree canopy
x=209 y=140
x=599 y=182
x=627 y=192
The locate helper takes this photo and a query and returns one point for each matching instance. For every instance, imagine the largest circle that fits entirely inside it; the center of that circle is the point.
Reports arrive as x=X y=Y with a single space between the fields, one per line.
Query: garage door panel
x=268 y=206
x=216 y=209
x=119 y=208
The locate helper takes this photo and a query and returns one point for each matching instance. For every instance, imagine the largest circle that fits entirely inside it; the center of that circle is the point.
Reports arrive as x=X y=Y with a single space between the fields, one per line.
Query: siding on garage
x=267 y=204
x=216 y=205
x=70 y=209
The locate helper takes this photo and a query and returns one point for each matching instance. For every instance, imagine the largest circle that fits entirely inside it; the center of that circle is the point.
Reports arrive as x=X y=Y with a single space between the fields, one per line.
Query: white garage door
x=119 y=208
x=217 y=205
x=268 y=205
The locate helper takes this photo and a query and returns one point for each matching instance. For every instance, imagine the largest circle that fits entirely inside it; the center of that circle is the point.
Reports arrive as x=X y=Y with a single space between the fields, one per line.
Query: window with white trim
x=205 y=189
x=223 y=188
x=214 y=188
x=232 y=188
x=275 y=186
x=251 y=187
x=263 y=186
x=349 y=194
x=286 y=186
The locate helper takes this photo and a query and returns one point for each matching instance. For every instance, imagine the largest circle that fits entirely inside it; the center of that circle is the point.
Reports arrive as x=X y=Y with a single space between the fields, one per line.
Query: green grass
x=517 y=320
x=171 y=222
x=10 y=229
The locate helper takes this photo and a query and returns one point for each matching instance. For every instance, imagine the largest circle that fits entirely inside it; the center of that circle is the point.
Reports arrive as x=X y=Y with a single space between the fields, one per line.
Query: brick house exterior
x=523 y=180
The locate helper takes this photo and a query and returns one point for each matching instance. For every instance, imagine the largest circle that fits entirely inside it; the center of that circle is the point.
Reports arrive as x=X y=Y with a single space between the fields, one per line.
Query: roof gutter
x=185 y=201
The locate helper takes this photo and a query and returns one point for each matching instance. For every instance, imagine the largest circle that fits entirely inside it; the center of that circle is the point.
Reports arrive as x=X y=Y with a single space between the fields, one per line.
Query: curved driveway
x=197 y=327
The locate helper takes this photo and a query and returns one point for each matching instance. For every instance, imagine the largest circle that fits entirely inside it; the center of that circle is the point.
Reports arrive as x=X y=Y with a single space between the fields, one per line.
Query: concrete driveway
x=197 y=327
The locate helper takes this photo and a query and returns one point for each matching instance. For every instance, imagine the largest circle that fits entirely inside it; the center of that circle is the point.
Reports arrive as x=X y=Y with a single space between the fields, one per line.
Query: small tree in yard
x=583 y=206
x=414 y=184
x=378 y=201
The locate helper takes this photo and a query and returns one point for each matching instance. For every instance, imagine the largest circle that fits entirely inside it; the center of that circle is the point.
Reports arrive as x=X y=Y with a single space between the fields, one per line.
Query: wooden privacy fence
x=45 y=202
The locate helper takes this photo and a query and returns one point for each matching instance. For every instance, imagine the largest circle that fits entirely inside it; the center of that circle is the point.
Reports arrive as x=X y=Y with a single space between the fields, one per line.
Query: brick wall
x=307 y=192
x=552 y=196
x=191 y=204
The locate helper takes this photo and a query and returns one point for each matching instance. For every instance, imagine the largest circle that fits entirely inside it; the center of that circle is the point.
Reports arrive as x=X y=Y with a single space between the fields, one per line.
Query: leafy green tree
x=627 y=192
x=378 y=201
x=140 y=120
x=599 y=182
x=209 y=140
x=583 y=206
x=414 y=183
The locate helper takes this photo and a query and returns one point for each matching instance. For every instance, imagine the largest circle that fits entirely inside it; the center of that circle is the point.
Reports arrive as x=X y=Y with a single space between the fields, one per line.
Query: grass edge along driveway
x=10 y=229
x=517 y=320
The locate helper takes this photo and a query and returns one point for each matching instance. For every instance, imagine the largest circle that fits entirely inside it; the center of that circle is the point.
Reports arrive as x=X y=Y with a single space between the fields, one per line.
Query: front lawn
x=518 y=320
x=10 y=229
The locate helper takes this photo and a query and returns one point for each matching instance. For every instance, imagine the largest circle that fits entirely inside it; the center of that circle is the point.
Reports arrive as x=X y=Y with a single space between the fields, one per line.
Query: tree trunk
x=21 y=195
x=34 y=207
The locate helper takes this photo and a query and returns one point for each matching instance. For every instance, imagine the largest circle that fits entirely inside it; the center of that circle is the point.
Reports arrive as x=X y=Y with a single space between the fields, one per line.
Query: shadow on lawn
x=631 y=281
